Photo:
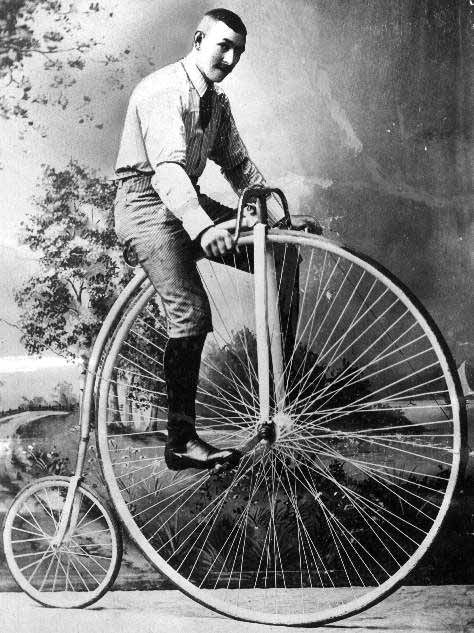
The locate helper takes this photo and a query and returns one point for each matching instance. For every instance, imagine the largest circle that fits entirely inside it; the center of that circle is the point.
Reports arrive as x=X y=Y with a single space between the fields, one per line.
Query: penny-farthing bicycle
x=347 y=413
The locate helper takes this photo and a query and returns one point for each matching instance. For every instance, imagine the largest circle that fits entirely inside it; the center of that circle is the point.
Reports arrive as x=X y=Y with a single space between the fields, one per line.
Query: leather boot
x=184 y=448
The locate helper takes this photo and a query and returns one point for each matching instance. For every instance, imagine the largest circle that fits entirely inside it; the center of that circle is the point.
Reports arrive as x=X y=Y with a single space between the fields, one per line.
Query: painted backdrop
x=360 y=110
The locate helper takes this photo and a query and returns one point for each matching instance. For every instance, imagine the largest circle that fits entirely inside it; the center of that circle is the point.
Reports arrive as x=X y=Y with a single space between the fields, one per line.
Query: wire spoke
x=325 y=514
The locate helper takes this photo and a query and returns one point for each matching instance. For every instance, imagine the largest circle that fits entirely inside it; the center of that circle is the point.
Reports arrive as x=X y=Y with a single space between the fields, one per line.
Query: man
x=177 y=118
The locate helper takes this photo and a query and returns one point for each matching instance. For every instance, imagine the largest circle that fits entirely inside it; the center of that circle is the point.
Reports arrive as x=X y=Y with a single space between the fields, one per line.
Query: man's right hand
x=216 y=241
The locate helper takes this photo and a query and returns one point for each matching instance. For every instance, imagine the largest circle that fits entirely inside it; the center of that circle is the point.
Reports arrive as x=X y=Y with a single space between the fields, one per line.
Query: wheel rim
x=78 y=571
x=341 y=507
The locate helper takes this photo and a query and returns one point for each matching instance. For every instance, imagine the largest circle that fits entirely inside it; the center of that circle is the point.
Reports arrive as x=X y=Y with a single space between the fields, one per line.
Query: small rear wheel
x=79 y=570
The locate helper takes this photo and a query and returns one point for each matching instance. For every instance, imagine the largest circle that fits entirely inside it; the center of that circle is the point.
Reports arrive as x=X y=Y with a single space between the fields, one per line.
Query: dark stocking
x=181 y=363
x=184 y=448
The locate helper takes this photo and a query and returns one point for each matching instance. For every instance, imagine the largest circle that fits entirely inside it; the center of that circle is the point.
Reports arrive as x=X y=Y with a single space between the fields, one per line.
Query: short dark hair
x=228 y=17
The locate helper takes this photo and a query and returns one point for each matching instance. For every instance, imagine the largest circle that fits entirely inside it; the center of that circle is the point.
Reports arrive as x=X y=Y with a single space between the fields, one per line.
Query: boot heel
x=174 y=461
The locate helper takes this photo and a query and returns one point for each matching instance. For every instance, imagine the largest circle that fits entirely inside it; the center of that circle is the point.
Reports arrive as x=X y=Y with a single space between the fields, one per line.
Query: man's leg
x=185 y=449
x=287 y=265
x=181 y=363
x=287 y=273
x=168 y=256
x=287 y=276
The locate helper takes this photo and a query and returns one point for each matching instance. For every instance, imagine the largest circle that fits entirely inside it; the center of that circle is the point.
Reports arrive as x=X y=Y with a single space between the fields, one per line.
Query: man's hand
x=306 y=223
x=216 y=241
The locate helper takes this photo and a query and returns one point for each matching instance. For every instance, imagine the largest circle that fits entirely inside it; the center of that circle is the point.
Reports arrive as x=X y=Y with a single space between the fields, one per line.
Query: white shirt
x=162 y=130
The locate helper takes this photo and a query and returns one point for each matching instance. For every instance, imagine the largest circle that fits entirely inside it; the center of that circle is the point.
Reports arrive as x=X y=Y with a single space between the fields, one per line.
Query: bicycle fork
x=70 y=512
x=72 y=504
x=269 y=336
x=267 y=315
x=268 y=326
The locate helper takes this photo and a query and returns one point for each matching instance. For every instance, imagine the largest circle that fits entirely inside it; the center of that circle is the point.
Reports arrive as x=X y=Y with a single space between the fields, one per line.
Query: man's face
x=218 y=51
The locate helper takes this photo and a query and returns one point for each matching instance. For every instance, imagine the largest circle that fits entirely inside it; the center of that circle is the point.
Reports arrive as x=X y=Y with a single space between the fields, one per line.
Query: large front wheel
x=339 y=507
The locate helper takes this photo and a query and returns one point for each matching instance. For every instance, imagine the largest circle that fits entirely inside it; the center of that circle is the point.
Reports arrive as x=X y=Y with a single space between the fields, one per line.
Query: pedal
x=220 y=468
x=266 y=432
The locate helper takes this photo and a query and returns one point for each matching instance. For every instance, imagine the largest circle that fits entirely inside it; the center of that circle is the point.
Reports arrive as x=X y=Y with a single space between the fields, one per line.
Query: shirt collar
x=195 y=75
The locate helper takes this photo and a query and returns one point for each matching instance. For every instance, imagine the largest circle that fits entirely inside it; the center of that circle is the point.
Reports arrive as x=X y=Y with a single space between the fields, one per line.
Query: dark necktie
x=205 y=108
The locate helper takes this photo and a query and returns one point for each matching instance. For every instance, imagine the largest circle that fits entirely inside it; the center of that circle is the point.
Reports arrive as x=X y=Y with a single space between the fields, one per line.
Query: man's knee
x=189 y=317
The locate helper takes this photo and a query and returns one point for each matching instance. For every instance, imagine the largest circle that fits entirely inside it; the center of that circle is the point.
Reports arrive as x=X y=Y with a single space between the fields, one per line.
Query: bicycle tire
x=83 y=568
x=334 y=515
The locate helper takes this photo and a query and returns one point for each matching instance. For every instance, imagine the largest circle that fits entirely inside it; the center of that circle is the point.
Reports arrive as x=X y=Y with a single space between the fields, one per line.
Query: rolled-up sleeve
x=161 y=118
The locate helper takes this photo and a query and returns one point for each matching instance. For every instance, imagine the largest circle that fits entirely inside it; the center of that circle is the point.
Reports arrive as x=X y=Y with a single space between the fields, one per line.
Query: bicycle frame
x=267 y=317
x=267 y=320
x=332 y=385
x=69 y=513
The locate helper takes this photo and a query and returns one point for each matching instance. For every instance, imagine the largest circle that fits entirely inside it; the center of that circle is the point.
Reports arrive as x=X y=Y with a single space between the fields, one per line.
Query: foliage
x=64 y=396
x=50 y=29
x=38 y=461
x=34 y=403
x=81 y=269
x=43 y=461
x=93 y=475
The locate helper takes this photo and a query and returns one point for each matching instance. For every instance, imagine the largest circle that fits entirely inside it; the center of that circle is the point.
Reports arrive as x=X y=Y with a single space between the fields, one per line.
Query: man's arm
x=175 y=189
x=163 y=133
x=177 y=192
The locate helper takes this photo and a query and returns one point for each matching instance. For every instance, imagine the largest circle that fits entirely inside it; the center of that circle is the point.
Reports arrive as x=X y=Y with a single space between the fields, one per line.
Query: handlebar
x=260 y=195
x=257 y=193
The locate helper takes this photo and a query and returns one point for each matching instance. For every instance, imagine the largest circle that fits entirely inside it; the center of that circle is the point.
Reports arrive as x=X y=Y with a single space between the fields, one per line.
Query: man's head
x=219 y=42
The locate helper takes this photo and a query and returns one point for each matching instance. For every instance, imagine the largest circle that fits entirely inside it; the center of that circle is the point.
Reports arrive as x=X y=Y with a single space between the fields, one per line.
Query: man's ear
x=198 y=37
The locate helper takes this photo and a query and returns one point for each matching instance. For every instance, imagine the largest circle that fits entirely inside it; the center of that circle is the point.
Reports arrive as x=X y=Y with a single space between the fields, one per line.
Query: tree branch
x=25 y=50
x=37 y=338
x=77 y=293
x=81 y=290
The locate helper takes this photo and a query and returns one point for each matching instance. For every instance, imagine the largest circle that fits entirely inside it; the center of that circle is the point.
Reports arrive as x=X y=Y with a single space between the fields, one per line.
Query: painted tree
x=33 y=403
x=80 y=267
x=80 y=273
x=63 y=396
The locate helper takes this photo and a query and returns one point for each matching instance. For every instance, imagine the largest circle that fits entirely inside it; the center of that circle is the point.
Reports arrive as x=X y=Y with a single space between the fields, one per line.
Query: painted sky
x=320 y=100
x=278 y=68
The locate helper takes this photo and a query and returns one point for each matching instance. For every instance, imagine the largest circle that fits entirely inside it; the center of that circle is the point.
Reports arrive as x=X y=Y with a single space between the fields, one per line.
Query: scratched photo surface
x=361 y=112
